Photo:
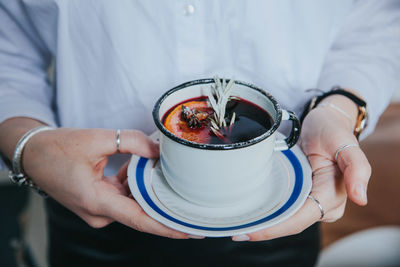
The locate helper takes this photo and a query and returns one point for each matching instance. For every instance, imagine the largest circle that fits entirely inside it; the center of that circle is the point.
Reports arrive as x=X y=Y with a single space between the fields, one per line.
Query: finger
x=336 y=213
x=125 y=184
x=356 y=171
x=128 y=212
x=131 y=141
x=117 y=183
x=123 y=172
x=305 y=217
x=138 y=143
x=120 y=181
x=122 y=177
x=95 y=221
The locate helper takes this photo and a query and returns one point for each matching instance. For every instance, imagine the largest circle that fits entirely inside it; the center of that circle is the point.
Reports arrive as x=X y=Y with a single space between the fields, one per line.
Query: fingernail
x=196 y=236
x=361 y=192
x=240 y=238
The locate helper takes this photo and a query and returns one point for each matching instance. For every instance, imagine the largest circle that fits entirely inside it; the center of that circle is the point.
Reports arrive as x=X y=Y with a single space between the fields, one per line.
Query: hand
x=69 y=165
x=324 y=131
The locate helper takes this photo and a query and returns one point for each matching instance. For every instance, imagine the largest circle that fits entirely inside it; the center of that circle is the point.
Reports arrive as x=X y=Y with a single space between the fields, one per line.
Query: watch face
x=362 y=121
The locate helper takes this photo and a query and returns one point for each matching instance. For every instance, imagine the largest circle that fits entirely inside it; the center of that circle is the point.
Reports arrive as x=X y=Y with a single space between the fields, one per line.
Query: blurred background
x=365 y=236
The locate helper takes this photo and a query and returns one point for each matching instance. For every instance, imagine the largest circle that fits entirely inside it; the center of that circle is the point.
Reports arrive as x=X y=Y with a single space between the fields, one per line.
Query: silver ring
x=118 y=140
x=343 y=147
x=321 y=209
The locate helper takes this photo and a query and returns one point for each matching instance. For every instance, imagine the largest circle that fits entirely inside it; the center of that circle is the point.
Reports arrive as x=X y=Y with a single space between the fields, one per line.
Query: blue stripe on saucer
x=293 y=197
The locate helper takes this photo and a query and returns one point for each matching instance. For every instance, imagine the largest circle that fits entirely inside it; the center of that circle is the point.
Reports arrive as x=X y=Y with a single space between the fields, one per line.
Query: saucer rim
x=297 y=197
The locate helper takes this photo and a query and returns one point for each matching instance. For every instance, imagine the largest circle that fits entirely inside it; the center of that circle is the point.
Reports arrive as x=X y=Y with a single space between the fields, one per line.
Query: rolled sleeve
x=24 y=87
x=366 y=55
x=24 y=59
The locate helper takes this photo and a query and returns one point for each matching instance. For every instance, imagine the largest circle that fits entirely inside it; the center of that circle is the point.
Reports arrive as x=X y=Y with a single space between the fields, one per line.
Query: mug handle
x=285 y=144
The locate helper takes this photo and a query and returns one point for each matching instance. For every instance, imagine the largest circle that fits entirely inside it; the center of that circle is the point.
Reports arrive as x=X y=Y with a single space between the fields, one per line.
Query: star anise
x=193 y=117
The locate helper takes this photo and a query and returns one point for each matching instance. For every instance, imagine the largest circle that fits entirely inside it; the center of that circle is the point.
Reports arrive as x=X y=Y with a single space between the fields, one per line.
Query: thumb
x=356 y=171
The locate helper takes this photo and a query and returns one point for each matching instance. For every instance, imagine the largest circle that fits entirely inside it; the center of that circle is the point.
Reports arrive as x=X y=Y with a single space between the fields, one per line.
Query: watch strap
x=361 y=121
x=338 y=91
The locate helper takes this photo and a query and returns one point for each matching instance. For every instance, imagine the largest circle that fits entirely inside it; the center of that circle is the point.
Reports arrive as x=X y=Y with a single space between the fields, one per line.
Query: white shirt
x=114 y=59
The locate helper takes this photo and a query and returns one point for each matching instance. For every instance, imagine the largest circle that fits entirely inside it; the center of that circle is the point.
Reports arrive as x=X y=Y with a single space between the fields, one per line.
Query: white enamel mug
x=218 y=175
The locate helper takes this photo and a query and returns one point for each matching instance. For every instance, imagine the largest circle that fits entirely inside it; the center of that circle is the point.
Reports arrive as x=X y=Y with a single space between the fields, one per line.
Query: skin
x=324 y=130
x=69 y=165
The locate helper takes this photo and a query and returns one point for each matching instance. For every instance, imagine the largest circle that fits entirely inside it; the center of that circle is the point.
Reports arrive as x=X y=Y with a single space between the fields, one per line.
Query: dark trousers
x=74 y=243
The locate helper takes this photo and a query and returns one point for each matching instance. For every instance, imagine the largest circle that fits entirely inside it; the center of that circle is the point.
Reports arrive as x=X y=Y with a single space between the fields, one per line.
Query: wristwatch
x=362 y=117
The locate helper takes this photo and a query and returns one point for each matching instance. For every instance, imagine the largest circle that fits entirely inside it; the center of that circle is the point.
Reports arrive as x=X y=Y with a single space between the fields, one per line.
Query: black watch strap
x=338 y=91
x=362 y=118
x=335 y=91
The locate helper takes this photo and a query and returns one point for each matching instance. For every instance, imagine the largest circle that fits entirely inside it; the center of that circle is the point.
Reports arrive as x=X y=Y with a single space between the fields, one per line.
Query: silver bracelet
x=17 y=174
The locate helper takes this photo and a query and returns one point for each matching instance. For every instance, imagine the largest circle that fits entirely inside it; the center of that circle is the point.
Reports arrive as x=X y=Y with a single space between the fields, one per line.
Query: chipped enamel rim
x=161 y=127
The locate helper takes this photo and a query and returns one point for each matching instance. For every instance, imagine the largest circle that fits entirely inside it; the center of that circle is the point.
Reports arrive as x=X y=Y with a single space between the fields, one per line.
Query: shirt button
x=189 y=10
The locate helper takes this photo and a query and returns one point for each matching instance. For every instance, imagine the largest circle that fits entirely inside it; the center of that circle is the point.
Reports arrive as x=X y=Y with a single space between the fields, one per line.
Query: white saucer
x=291 y=184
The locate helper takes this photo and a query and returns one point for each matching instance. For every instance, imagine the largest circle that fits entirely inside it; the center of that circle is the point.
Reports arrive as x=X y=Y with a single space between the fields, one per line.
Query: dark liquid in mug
x=251 y=121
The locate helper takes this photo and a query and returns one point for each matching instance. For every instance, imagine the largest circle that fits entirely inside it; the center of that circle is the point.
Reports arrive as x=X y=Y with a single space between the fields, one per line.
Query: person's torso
x=115 y=58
